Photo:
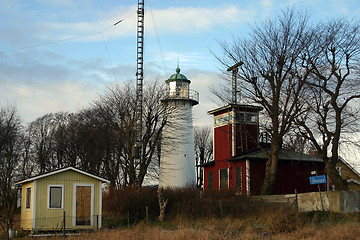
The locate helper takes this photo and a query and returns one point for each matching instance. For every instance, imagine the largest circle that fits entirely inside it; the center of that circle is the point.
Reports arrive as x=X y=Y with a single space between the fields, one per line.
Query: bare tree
x=10 y=146
x=333 y=61
x=42 y=139
x=271 y=76
x=118 y=104
x=203 y=150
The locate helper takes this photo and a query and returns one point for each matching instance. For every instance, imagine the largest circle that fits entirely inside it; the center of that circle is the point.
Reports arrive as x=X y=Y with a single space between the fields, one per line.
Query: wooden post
x=64 y=232
x=7 y=229
x=128 y=218
x=297 y=201
x=97 y=222
x=162 y=203
x=221 y=209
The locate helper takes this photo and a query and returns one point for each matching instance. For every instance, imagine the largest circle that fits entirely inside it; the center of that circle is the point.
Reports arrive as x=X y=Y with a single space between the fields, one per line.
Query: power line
x=64 y=39
x=53 y=42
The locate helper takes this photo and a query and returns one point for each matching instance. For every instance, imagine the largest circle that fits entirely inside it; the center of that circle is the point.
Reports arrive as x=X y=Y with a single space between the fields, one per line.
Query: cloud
x=192 y=20
x=34 y=26
x=33 y=101
x=40 y=82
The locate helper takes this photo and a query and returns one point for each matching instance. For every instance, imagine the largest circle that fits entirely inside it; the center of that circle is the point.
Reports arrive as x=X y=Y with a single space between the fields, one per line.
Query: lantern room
x=178 y=88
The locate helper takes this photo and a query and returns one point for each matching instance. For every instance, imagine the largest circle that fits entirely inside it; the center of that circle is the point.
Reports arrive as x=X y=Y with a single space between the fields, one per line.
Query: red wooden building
x=239 y=164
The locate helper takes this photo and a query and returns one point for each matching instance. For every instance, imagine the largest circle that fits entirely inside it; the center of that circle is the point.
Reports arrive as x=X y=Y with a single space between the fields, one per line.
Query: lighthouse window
x=172 y=86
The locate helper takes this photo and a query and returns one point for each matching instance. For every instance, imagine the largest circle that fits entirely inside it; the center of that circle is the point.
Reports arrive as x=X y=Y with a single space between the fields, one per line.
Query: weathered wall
x=338 y=201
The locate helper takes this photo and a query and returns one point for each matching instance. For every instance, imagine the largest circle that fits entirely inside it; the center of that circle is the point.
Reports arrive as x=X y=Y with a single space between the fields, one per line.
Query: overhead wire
x=158 y=39
x=64 y=39
x=98 y=63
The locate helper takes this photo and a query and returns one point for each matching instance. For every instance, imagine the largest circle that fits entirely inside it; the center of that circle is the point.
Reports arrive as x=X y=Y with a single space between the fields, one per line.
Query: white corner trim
x=247 y=177
x=34 y=205
x=100 y=205
x=92 y=201
x=62 y=196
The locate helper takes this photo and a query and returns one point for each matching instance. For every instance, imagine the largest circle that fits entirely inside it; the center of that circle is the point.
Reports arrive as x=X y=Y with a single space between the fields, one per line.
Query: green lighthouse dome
x=178 y=77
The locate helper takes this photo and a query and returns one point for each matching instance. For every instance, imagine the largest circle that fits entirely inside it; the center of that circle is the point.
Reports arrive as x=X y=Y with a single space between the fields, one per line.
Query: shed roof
x=60 y=171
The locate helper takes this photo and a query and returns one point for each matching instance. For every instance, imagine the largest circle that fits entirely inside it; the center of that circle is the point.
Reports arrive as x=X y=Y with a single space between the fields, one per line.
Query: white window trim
x=62 y=196
x=92 y=201
x=26 y=199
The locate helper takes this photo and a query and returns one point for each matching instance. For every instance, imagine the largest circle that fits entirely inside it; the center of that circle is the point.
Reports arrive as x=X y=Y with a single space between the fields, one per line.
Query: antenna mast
x=139 y=78
x=234 y=69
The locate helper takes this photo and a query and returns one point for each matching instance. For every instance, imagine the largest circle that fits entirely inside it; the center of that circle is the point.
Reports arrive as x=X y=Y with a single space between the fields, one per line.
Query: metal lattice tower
x=234 y=69
x=139 y=72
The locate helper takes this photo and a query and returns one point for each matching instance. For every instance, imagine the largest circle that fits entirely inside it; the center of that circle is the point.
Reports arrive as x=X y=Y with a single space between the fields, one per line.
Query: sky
x=61 y=55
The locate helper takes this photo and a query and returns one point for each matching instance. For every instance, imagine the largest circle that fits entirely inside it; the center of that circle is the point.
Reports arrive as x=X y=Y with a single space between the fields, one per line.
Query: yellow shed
x=67 y=196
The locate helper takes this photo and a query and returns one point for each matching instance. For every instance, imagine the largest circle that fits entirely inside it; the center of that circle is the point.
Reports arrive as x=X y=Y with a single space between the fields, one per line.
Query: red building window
x=224 y=179
x=210 y=180
x=238 y=179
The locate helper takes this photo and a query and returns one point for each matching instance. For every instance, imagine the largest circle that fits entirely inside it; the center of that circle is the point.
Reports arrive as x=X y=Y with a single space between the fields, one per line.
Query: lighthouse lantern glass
x=178 y=89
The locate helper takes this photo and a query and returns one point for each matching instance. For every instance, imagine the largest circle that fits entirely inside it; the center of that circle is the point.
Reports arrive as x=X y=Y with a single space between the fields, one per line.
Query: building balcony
x=181 y=94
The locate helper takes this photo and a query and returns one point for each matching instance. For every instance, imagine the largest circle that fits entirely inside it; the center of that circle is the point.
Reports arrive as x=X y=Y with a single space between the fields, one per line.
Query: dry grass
x=196 y=217
x=226 y=229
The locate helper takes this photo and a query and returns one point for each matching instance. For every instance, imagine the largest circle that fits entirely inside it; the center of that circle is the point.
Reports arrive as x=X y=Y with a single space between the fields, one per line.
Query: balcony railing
x=178 y=94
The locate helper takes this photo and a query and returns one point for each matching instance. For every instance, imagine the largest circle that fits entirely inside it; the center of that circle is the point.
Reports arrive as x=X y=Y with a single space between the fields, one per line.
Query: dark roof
x=211 y=163
x=178 y=77
x=239 y=106
x=284 y=154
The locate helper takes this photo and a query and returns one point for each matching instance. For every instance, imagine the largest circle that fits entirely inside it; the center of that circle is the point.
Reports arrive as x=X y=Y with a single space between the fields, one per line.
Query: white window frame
x=62 y=196
x=92 y=201
x=28 y=198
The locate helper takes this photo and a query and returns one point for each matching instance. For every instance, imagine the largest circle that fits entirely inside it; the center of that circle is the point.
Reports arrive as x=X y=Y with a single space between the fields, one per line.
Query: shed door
x=83 y=205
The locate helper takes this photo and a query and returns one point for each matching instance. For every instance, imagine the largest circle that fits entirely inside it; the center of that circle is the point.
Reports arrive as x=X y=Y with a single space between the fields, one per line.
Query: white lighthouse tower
x=177 y=163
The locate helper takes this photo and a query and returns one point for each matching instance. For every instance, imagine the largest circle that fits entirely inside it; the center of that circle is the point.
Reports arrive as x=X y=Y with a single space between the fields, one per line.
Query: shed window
x=28 y=198
x=56 y=196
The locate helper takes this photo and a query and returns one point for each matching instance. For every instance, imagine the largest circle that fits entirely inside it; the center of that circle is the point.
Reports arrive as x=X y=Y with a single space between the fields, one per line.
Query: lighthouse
x=177 y=162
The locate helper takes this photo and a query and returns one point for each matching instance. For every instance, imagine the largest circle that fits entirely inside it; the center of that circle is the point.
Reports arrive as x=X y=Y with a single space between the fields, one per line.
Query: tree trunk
x=337 y=180
x=271 y=168
x=162 y=204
